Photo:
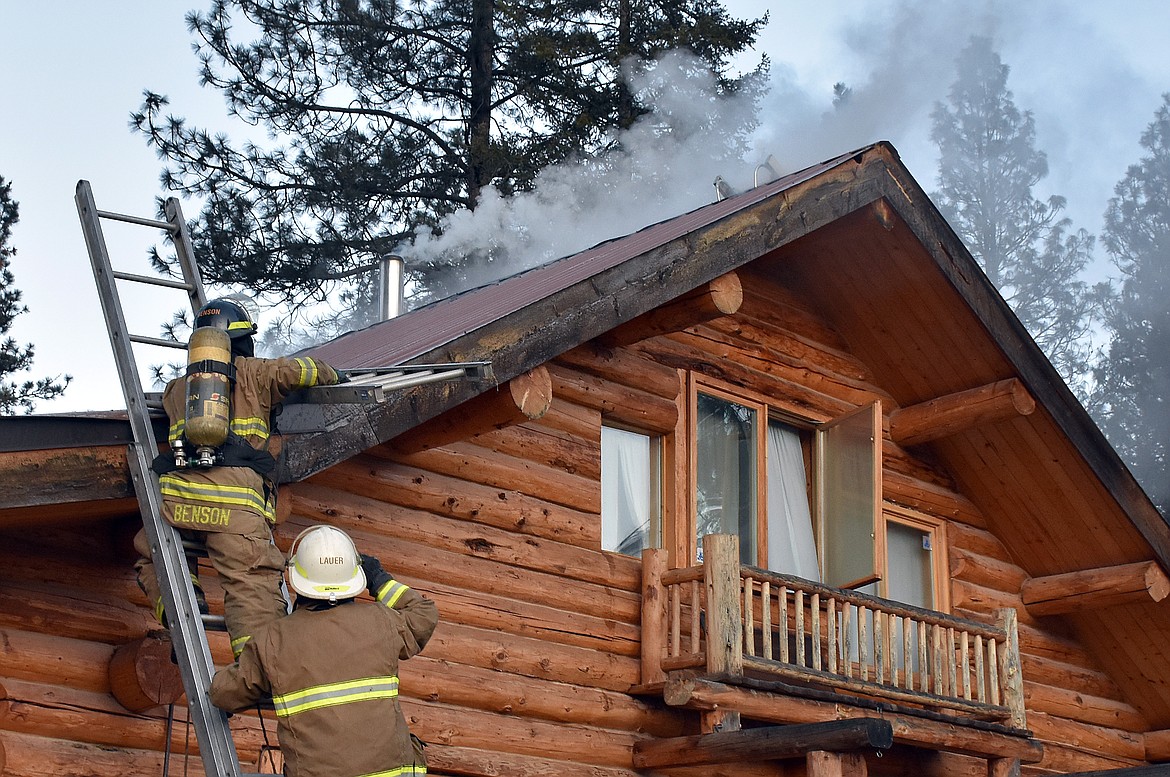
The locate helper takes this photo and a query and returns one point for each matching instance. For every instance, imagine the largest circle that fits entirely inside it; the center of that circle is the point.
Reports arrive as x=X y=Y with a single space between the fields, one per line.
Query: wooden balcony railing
x=727 y=619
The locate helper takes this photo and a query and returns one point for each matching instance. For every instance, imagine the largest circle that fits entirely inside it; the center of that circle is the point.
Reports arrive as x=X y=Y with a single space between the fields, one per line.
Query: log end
x=142 y=674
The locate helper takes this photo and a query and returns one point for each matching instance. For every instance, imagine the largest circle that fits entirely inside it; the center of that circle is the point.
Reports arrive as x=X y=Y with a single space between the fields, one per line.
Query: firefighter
x=226 y=495
x=331 y=667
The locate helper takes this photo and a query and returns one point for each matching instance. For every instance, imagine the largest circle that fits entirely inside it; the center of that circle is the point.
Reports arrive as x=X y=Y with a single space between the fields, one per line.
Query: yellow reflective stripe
x=238 y=644
x=158 y=610
x=390 y=593
x=401 y=771
x=211 y=493
x=176 y=430
x=240 y=325
x=332 y=694
x=308 y=371
x=253 y=425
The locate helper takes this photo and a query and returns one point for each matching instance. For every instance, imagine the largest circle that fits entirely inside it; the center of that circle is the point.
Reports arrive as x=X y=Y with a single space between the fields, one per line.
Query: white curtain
x=625 y=491
x=791 y=548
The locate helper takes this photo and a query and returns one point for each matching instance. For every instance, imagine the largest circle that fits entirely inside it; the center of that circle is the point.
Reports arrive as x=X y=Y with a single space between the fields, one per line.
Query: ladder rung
x=168 y=226
x=213 y=622
x=156 y=341
x=168 y=282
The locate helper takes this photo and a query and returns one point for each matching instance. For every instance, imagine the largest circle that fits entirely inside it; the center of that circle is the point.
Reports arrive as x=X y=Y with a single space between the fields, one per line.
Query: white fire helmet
x=324 y=564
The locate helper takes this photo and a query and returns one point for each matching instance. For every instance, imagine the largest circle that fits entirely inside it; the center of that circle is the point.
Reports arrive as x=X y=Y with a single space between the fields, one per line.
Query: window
x=631 y=491
x=727 y=455
x=915 y=559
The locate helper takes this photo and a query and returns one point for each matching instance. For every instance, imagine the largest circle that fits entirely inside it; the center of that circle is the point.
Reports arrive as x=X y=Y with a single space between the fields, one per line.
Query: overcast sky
x=1092 y=73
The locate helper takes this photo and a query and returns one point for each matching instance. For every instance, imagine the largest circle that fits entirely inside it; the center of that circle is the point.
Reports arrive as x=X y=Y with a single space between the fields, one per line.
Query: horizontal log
x=524 y=398
x=558 y=558
x=25 y=755
x=583 y=423
x=1058 y=674
x=794 y=349
x=1101 y=740
x=616 y=402
x=696 y=693
x=1133 y=771
x=985 y=571
x=60 y=476
x=460 y=498
x=943 y=416
x=477 y=464
x=1095 y=589
x=462 y=727
x=764 y=744
x=77 y=663
x=930 y=498
x=78 y=613
x=530 y=442
x=506 y=694
x=623 y=366
x=1158 y=745
x=529 y=657
x=772 y=304
x=1083 y=707
x=721 y=297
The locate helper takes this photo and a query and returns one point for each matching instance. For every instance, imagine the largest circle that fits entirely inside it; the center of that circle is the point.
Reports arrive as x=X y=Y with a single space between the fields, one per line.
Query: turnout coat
x=332 y=671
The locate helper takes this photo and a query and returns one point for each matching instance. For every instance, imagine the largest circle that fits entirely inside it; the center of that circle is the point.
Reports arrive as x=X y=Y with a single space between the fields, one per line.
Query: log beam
x=766 y=743
x=1141 y=582
x=526 y=397
x=721 y=297
x=684 y=690
x=953 y=413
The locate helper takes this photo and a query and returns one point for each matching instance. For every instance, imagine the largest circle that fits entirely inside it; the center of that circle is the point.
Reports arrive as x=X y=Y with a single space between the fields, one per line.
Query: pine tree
x=15 y=358
x=1134 y=378
x=384 y=117
x=988 y=165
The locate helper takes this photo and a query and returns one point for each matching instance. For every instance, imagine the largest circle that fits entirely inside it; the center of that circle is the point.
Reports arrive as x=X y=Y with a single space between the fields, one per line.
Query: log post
x=1003 y=767
x=653 y=615
x=947 y=415
x=820 y=763
x=142 y=674
x=724 y=614
x=1010 y=669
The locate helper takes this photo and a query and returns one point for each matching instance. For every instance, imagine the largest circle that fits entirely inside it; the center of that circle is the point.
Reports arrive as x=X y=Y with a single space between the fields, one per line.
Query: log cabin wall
x=530 y=670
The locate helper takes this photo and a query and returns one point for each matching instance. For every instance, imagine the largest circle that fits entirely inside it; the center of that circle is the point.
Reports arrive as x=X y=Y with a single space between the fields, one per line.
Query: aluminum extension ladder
x=216 y=745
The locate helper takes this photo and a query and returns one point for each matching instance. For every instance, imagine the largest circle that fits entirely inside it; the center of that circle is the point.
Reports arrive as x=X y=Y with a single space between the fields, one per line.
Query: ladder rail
x=216 y=745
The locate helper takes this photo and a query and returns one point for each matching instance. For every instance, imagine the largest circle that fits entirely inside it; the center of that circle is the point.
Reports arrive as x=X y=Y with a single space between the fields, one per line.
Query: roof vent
x=390 y=273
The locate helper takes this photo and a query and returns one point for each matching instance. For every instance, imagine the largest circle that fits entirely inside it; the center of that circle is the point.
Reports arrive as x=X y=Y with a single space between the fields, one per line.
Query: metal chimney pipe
x=390 y=286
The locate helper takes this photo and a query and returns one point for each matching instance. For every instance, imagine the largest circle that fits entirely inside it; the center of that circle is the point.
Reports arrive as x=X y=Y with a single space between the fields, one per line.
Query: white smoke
x=664 y=165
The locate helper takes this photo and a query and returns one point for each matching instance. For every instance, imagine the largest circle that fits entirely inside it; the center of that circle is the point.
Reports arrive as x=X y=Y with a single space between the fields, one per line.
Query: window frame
x=936 y=527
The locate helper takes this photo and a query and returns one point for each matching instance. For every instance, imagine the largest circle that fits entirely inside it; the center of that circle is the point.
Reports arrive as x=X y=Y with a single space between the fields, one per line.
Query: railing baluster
x=799 y=607
x=696 y=610
x=907 y=654
x=749 y=617
x=815 y=611
x=879 y=645
x=965 y=665
x=847 y=641
x=783 y=622
x=993 y=670
x=766 y=613
x=937 y=655
x=863 y=641
x=953 y=670
x=980 y=684
x=675 y=621
x=831 y=647
x=923 y=659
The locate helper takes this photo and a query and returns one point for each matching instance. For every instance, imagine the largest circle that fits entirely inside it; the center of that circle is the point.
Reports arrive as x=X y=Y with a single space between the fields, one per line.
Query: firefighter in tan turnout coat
x=229 y=499
x=331 y=666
